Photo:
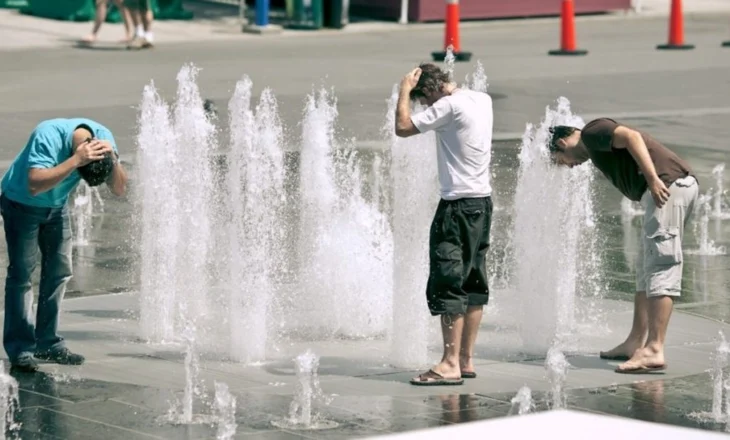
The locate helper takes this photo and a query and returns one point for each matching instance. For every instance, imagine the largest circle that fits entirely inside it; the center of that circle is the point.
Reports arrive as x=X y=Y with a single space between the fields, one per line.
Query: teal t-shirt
x=49 y=145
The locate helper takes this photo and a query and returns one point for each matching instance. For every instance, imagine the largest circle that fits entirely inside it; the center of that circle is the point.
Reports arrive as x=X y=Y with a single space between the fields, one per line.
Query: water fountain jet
x=9 y=403
x=225 y=410
x=302 y=414
x=557 y=371
x=554 y=233
x=523 y=401
x=256 y=196
x=706 y=245
x=345 y=239
x=719 y=203
x=415 y=196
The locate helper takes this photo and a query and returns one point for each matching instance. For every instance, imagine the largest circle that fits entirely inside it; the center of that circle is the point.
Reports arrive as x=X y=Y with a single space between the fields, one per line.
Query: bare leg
x=638 y=334
x=98 y=20
x=147 y=20
x=126 y=19
x=452 y=327
x=652 y=354
x=469 y=338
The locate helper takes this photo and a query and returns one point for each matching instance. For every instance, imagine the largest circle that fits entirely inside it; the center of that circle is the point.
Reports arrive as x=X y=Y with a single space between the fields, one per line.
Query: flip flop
x=618 y=357
x=468 y=374
x=432 y=378
x=643 y=369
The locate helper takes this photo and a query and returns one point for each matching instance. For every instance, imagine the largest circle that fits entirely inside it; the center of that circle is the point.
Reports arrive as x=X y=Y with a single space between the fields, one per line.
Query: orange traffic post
x=452 y=34
x=568 y=44
x=676 y=29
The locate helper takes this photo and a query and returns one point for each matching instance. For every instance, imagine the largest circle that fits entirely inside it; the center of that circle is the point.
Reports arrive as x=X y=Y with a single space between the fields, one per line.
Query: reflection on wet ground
x=66 y=406
x=61 y=406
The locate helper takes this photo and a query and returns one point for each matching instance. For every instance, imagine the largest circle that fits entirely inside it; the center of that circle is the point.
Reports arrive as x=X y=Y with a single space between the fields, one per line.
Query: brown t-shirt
x=620 y=167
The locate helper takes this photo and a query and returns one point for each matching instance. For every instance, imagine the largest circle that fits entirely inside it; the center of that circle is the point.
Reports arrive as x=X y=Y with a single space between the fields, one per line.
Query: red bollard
x=452 y=34
x=567 y=32
x=676 y=29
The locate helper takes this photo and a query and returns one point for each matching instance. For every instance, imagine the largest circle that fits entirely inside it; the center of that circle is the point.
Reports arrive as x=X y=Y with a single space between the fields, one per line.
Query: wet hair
x=210 y=109
x=432 y=80
x=559 y=132
x=97 y=172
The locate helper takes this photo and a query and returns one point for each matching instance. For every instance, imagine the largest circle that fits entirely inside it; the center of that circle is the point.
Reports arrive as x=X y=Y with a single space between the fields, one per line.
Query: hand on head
x=92 y=150
x=411 y=79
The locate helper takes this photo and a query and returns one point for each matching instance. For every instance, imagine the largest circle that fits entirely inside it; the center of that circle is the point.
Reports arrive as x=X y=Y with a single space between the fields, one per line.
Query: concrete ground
x=681 y=97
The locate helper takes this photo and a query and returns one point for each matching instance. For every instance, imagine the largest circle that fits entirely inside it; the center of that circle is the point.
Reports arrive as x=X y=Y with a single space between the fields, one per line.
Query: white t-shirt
x=463 y=123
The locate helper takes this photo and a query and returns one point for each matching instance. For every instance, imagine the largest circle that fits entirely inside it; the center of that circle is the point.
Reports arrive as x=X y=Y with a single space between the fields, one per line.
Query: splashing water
x=449 y=61
x=726 y=417
x=557 y=372
x=478 y=81
x=302 y=414
x=415 y=196
x=192 y=366
x=630 y=209
x=719 y=202
x=523 y=401
x=557 y=250
x=160 y=222
x=83 y=212
x=706 y=246
x=345 y=240
x=9 y=403
x=255 y=182
x=719 y=362
x=213 y=244
x=225 y=410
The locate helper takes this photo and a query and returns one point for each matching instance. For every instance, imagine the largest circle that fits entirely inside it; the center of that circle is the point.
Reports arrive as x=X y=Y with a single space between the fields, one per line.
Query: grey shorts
x=660 y=261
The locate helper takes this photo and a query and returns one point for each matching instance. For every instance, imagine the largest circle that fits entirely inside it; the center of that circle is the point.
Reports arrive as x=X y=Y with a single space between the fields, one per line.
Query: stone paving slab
x=127 y=386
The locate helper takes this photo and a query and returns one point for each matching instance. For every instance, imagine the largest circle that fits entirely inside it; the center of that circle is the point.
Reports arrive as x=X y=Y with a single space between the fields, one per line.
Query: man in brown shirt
x=643 y=170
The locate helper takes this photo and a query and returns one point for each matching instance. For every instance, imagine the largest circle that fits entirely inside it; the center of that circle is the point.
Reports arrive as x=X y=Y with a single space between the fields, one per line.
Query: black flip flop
x=619 y=357
x=469 y=374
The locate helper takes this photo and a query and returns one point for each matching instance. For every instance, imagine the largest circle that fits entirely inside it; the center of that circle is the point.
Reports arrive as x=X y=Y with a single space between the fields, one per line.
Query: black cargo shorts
x=458 y=245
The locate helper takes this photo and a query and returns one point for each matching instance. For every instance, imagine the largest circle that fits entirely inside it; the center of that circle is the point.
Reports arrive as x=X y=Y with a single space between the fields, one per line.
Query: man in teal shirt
x=34 y=207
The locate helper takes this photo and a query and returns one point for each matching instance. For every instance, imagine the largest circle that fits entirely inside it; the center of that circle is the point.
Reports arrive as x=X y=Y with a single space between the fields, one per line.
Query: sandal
x=432 y=378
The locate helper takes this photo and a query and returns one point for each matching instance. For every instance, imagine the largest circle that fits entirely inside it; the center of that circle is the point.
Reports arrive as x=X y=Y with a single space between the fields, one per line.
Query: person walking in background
x=142 y=17
x=101 y=11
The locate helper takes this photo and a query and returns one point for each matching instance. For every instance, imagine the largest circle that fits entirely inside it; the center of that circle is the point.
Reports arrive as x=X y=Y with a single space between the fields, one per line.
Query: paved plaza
x=127 y=387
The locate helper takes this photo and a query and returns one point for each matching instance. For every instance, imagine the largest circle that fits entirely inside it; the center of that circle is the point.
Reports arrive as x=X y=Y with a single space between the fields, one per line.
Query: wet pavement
x=127 y=388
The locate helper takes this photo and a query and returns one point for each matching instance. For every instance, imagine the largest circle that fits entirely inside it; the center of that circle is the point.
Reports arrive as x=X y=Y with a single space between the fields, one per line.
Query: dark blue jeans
x=28 y=230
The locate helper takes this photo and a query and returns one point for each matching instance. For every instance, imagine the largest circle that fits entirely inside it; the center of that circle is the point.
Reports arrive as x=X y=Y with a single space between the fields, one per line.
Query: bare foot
x=89 y=39
x=645 y=360
x=622 y=352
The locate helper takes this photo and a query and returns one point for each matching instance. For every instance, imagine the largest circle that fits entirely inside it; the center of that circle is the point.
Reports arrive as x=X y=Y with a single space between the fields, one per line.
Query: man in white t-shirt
x=459 y=239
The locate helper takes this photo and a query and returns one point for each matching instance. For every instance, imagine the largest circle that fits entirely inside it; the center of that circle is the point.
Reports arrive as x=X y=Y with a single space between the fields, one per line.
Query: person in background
x=142 y=17
x=34 y=207
x=101 y=11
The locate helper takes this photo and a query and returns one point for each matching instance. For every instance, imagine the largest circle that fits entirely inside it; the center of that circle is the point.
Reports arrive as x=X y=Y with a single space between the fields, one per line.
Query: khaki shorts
x=660 y=261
